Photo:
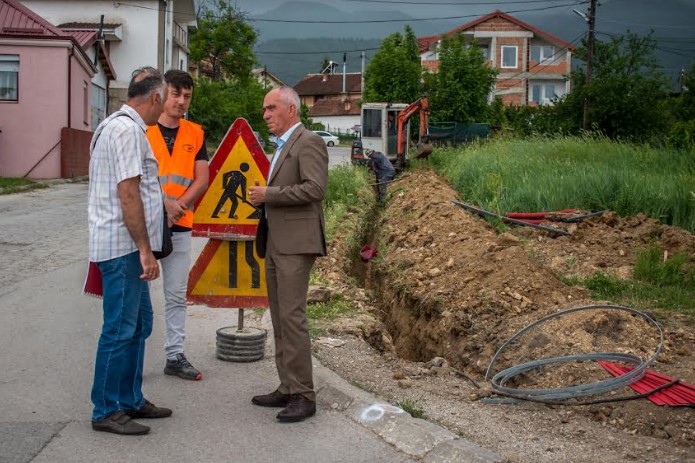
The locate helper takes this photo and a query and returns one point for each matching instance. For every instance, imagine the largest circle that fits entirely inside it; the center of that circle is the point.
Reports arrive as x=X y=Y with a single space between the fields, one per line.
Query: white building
x=136 y=33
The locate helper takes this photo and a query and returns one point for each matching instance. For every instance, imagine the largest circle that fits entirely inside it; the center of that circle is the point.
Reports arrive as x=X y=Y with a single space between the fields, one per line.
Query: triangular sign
x=224 y=211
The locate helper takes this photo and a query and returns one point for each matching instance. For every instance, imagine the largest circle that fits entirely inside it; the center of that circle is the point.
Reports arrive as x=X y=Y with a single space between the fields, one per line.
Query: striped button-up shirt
x=120 y=151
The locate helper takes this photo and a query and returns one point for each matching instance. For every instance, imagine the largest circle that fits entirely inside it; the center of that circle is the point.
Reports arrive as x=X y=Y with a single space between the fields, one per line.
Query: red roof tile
x=330 y=107
x=18 y=20
x=85 y=38
x=424 y=42
x=329 y=84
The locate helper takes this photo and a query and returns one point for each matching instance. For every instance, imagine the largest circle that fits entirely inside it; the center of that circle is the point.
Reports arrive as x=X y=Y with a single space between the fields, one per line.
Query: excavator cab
x=386 y=128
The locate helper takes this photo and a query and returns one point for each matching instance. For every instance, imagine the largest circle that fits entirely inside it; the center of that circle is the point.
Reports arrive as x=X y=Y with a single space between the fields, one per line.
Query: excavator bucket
x=423 y=151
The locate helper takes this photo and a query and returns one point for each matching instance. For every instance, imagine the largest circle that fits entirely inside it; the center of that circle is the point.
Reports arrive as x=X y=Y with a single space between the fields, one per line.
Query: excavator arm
x=421 y=107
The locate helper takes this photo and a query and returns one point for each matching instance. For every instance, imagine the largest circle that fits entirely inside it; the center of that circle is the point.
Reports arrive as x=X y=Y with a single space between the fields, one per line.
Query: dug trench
x=447 y=289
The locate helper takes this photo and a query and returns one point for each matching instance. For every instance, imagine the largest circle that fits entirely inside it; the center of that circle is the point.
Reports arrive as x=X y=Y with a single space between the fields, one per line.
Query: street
x=48 y=338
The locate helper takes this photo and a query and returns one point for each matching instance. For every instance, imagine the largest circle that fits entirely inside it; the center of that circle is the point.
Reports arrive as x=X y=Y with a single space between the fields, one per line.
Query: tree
x=307 y=121
x=394 y=73
x=627 y=89
x=224 y=40
x=682 y=132
x=459 y=90
x=217 y=104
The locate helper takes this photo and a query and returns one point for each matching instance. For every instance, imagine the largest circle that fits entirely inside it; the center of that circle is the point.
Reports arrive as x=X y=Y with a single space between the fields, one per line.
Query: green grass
x=591 y=173
x=326 y=311
x=12 y=185
x=412 y=407
x=348 y=190
x=656 y=285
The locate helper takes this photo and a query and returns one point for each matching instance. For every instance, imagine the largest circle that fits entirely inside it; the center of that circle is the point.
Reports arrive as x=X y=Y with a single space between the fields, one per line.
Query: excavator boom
x=421 y=107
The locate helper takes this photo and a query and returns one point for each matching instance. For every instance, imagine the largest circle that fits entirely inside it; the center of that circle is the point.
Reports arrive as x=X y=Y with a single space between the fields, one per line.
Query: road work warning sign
x=225 y=212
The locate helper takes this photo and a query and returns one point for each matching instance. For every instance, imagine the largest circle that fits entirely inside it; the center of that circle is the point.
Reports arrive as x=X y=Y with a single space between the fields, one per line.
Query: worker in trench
x=385 y=172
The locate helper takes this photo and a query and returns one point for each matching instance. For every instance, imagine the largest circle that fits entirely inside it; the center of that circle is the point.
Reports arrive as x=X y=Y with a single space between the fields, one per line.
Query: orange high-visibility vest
x=176 y=170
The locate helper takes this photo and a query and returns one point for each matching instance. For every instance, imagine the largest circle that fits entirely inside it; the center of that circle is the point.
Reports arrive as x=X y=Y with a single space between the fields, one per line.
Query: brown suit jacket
x=293 y=199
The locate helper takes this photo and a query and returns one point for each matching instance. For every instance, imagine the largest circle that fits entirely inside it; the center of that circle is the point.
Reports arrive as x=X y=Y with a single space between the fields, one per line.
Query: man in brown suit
x=290 y=237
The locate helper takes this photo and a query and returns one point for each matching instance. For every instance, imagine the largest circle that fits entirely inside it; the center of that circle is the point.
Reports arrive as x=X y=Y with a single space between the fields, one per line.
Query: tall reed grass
x=348 y=186
x=591 y=173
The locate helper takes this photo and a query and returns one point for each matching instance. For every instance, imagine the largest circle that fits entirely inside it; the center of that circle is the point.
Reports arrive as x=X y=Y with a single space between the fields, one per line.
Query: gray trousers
x=175 y=269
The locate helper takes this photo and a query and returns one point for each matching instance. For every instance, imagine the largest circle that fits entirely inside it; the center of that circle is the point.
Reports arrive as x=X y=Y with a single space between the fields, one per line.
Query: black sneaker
x=182 y=368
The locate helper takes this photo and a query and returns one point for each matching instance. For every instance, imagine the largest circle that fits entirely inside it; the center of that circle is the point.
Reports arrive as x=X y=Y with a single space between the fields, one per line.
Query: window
x=484 y=49
x=543 y=93
x=371 y=118
x=509 y=56
x=9 y=72
x=85 y=102
x=542 y=54
x=98 y=105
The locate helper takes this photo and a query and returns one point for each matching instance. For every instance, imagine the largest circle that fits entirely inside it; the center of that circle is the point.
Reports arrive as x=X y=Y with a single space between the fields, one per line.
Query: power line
x=379 y=21
x=539 y=65
x=651 y=26
x=669 y=50
x=313 y=52
x=420 y=3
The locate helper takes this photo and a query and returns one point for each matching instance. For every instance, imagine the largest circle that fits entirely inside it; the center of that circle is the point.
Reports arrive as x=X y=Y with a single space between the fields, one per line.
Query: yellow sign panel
x=228 y=274
x=224 y=211
x=226 y=200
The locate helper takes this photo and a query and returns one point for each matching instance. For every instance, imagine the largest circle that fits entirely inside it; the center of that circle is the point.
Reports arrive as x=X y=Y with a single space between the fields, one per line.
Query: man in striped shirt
x=125 y=210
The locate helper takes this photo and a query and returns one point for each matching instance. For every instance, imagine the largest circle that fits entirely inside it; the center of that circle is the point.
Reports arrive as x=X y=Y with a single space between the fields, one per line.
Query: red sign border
x=201 y=264
x=239 y=129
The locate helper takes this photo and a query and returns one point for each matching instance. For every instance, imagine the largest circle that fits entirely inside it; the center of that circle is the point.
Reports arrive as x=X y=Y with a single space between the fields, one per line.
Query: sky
x=416 y=8
x=671 y=20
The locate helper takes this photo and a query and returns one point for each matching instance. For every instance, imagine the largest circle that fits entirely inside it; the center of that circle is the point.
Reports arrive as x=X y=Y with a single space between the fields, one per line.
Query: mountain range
x=296 y=36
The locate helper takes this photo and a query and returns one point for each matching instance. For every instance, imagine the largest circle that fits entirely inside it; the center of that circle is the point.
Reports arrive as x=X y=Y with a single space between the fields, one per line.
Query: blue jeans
x=121 y=349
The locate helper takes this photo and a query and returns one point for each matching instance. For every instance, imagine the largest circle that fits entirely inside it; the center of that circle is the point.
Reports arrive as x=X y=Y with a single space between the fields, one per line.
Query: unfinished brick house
x=533 y=65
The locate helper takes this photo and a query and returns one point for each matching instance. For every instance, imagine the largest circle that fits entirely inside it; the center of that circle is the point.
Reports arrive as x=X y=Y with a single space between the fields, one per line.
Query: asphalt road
x=48 y=337
x=337 y=156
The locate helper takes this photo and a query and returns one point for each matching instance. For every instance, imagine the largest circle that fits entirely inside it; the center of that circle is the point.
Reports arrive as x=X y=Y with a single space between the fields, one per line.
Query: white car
x=329 y=138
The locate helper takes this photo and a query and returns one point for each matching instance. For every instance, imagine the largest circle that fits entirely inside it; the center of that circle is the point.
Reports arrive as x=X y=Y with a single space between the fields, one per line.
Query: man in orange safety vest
x=179 y=146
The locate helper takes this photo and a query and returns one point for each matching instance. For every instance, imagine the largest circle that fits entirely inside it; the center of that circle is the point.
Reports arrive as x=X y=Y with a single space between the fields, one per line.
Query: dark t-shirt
x=169 y=136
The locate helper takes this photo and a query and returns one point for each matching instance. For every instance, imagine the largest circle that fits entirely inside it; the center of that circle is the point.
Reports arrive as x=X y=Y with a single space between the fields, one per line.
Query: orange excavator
x=424 y=147
x=386 y=128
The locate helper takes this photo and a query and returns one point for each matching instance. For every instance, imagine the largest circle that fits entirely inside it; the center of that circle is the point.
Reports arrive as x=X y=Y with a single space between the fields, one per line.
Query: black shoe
x=298 y=409
x=274 y=399
x=149 y=410
x=182 y=368
x=120 y=423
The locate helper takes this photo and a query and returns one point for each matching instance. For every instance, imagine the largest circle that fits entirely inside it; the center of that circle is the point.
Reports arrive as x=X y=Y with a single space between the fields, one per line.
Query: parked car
x=259 y=137
x=329 y=138
x=273 y=140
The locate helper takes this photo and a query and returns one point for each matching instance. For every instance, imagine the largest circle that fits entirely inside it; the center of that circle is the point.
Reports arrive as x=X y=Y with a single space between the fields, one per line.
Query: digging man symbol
x=233 y=181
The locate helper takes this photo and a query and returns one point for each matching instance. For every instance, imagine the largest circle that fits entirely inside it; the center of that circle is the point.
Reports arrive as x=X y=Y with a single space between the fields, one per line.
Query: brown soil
x=448 y=291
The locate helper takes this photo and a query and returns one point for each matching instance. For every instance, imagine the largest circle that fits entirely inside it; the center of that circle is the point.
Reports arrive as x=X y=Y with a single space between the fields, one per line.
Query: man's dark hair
x=178 y=79
x=144 y=81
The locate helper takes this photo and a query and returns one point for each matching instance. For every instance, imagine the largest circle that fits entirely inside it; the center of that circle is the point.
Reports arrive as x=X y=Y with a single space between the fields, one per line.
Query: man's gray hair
x=290 y=96
x=144 y=81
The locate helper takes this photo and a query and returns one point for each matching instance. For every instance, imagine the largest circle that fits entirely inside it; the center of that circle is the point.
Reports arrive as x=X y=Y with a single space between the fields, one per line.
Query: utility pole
x=589 y=61
x=362 y=78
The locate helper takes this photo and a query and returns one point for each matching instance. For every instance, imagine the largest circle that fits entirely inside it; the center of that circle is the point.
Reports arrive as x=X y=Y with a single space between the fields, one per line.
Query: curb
x=417 y=438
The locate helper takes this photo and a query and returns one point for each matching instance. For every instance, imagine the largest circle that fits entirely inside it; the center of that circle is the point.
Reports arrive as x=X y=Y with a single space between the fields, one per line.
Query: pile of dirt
x=448 y=291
